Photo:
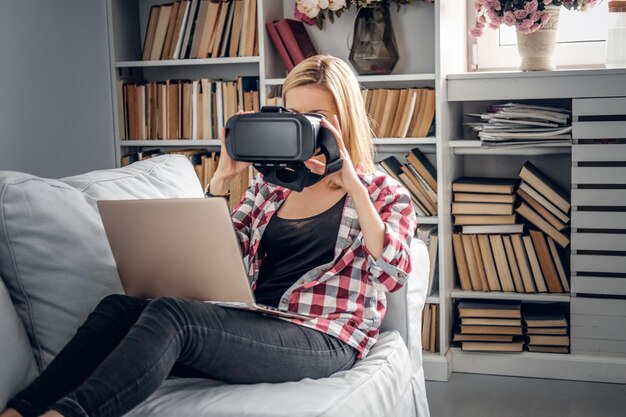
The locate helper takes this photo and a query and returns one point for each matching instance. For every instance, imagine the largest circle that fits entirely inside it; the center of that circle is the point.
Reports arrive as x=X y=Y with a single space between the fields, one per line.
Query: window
x=581 y=41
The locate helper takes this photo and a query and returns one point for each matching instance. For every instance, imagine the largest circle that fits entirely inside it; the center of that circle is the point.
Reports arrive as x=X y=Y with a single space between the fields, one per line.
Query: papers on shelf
x=513 y=124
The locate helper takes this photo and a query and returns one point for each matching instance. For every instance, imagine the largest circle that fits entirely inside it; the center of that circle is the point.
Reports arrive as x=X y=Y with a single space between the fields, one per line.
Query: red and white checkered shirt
x=347 y=295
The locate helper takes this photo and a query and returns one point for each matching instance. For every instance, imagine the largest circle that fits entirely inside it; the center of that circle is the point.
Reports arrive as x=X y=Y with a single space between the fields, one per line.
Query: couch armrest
x=17 y=365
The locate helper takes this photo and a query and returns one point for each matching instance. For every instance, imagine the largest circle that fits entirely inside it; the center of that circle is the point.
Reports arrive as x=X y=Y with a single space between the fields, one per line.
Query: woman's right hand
x=227 y=168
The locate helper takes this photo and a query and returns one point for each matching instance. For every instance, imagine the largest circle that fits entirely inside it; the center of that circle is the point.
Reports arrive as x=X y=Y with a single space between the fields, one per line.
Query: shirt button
x=302 y=282
x=284 y=301
x=324 y=269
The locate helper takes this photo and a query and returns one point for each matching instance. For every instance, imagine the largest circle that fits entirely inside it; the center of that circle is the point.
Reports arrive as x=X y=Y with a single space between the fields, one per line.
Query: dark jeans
x=128 y=346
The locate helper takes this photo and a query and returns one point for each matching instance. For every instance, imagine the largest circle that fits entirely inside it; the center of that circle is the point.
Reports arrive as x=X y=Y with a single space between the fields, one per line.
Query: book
x=482 y=274
x=492 y=309
x=548 y=340
x=190 y=26
x=512 y=261
x=484 y=198
x=391 y=108
x=548 y=188
x=417 y=193
x=472 y=265
x=220 y=24
x=457 y=337
x=541 y=210
x=485 y=185
x=472 y=219
x=426 y=327
x=529 y=214
x=493 y=229
x=171 y=29
x=559 y=265
x=160 y=32
x=489 y=263
x=296 y=39
x=482 y=208
x=461 y=263
x=434 y=326
x=427 y=116
x=545 y=261
x=538 y=277
x=547 y=330
x=509 y=330
x=423 y=166
x=515 y=346
x=393 y=167
x=407 y=112
x=433 y=281
x=502 y=265
x=179 y=29
x=548 y=349
x=522 y=263
x=235 y=33
x=227 y=33
x=150 y=31
x=534 y=194
x=491 y=322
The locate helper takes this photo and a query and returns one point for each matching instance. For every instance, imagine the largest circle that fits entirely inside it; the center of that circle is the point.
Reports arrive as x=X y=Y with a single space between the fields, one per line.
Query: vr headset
x=277 y=142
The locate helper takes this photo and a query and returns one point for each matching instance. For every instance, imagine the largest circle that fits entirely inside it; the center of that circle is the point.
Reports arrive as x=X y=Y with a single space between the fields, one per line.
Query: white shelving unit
x=432 y=42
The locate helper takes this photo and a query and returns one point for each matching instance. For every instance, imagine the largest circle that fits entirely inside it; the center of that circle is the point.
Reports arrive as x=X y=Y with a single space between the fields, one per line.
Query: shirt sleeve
x=242 y=214
x=391 y=270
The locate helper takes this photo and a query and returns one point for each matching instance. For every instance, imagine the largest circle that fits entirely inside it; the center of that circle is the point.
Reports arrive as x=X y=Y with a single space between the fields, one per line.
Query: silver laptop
x=180 y=248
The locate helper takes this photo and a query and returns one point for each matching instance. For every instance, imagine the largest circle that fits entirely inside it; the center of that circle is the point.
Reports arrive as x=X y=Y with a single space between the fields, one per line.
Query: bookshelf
x=432 y=42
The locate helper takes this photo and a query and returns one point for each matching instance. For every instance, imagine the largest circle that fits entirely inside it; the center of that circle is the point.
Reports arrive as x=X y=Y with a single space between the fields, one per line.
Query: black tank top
x=292 y=247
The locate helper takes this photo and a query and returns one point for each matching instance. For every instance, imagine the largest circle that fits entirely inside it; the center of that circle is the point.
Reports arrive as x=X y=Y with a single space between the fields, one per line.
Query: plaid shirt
x=347 y=295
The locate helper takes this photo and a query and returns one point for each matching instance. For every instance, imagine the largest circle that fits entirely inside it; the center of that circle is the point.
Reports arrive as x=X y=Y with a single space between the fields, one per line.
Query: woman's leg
x=232 y=345
x=93 y=341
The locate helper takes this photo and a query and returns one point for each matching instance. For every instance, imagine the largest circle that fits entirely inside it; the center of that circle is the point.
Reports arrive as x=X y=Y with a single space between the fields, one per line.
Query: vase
x=537 y=48
x=374 y=49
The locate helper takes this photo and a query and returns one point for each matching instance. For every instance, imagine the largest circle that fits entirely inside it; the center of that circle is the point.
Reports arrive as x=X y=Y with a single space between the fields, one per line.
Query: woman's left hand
x=346 y=177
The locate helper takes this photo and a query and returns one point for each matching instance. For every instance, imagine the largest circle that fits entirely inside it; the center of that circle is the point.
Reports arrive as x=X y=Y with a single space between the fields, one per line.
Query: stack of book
x=419 y=176
x=183 y=109
x=546 y=329
x=430 y=328
x=515 y=125
x=428 y=234
x=490 y=326
x=204 y=163
x=545 y=204
x=201 y=29
x=291 y=40
x=483 y=201
x=400 y=113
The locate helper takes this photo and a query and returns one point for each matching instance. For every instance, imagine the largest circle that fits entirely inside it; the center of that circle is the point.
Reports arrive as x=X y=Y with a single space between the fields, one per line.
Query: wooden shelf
x=495 y=295
x=172 y=142
x=187 y=62
x=473 y=147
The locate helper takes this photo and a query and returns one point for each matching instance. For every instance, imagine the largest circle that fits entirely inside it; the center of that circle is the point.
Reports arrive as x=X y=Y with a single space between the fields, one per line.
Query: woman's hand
x=227 y=168
x=346 y=177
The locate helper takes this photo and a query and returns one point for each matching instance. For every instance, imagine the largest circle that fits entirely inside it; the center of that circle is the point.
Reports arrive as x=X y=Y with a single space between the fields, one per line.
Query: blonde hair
x=336 y=76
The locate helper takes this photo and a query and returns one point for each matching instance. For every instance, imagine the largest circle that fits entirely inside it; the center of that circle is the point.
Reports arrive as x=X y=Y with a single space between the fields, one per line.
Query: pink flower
x=526 y=24
x=482 y=19
x=310 y=8
x=509 y=18
x=531 y=6
x=495 y=22
x=477 y=5
x=492 y=15
x=535 y=16
x=475 y=32
x=302 y=17
x=535 y=27
x=545 y=18
x=547 y=2
x=520 y=14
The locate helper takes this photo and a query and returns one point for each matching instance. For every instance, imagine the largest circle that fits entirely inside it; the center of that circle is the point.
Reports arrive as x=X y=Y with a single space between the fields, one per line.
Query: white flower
x=335 y=5
x=323 y=4
x=310 y=8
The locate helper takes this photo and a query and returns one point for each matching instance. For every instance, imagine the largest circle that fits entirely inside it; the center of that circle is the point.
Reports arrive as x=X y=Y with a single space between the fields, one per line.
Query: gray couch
x=55 y=265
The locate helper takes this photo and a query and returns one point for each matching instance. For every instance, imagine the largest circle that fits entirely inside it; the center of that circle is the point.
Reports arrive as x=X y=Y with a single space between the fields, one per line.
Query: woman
x=331 y=251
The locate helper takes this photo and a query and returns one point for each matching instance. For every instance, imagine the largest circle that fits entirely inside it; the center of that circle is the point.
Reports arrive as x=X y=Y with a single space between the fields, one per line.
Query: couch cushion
x=54 y=255
x=372 y=388
x=17 y=367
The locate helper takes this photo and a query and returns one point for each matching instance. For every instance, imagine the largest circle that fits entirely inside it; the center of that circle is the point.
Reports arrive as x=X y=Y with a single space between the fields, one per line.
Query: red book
x=280 y=46
x=296 y=39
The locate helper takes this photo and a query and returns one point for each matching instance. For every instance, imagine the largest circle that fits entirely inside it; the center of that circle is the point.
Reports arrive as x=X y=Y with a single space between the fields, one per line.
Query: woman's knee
x=114 y=304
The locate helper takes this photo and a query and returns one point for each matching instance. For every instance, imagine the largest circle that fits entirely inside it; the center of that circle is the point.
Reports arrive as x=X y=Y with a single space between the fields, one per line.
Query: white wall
x=55 y=87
